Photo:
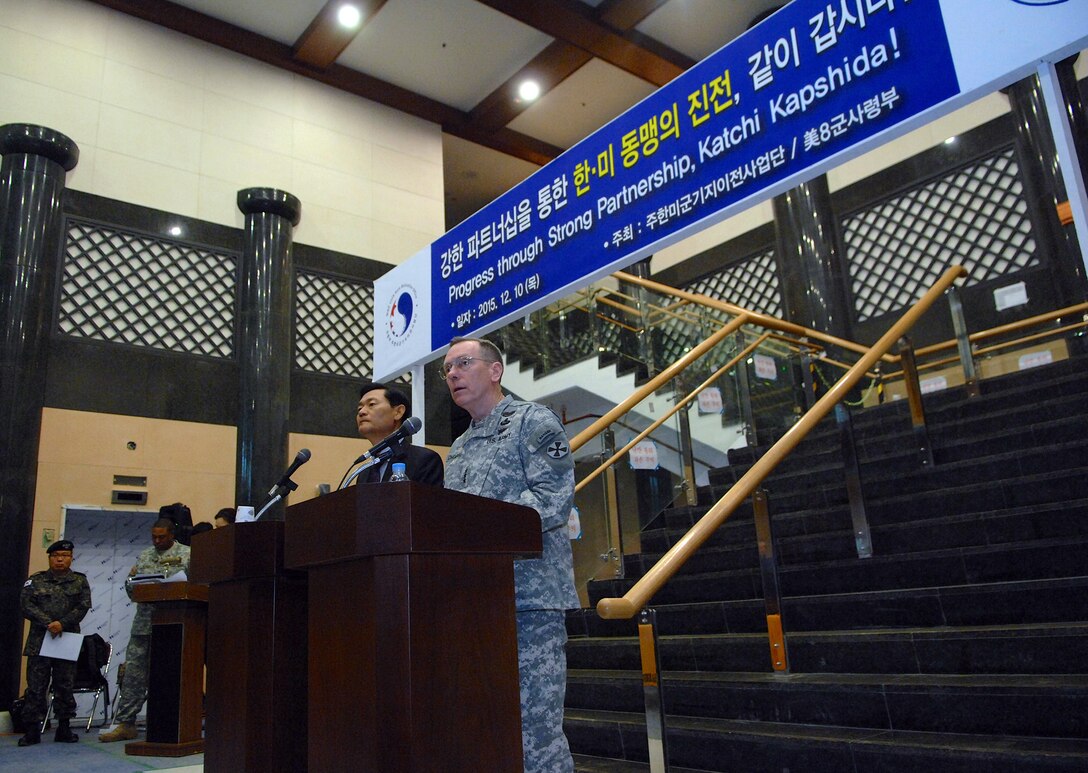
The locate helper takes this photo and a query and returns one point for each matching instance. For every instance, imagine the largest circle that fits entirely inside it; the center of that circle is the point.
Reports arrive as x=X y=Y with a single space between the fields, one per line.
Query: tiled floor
x=87 y=756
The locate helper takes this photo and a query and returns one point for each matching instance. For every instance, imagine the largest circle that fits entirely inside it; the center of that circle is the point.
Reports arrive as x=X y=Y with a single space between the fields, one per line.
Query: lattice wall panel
x=974 y=216
x=134 y=289
x=751 y=284
x=334 y=325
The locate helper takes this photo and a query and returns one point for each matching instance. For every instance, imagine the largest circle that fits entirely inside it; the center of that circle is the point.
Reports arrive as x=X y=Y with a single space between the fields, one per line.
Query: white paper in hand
x=63 y=647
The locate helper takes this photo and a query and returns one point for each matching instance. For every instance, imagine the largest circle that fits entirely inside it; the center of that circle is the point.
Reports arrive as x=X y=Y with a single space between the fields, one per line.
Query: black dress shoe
x=64 y=733
x=32 y=737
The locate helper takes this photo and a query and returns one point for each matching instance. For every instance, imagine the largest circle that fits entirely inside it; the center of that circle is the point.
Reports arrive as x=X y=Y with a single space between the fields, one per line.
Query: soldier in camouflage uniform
x=518 y=452
x=54 y=601
x=166 y=556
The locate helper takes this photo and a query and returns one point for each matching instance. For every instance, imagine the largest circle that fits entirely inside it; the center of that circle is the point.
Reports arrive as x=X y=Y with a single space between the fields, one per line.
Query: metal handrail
x=662 y=378
x=672 y=411
x=635 y=599
x=1010 y=327
x=755 y=317
x=983 y=335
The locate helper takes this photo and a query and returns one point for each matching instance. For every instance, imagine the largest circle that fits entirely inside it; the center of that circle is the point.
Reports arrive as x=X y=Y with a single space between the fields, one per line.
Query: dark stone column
x=1044 y=186
x=35 y=161
x=811 y=260
x=265 y=342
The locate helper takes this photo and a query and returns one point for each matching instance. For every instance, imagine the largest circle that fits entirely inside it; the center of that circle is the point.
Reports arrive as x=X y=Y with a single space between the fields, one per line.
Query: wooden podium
x=256 y=688
x=175 y=687
x=412 y=633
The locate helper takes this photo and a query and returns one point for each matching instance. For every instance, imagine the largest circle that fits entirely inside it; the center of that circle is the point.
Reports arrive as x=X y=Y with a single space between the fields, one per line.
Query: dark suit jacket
x=421 y=464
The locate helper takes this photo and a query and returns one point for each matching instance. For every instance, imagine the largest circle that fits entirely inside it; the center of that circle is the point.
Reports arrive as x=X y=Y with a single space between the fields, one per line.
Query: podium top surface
x=238 y=551
x=151 y=592
x=405 y=518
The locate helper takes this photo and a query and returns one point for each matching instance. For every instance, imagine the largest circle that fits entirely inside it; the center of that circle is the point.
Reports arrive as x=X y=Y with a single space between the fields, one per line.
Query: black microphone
x=384 y=448
x=286 y=484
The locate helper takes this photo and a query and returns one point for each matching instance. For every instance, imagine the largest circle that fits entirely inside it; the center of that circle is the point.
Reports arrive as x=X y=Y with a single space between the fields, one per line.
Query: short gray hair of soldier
x=493 y=352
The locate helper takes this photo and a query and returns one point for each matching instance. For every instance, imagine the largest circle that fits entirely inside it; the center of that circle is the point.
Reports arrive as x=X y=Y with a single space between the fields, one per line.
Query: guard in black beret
x=54 y=601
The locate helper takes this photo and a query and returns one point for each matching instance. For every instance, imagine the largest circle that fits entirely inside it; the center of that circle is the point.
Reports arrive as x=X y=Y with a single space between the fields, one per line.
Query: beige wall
x=166 y=121
x=183 y=461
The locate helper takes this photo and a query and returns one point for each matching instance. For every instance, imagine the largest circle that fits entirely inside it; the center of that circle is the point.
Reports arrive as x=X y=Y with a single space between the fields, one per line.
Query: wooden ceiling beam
x=549 y=68
x=627 y=14
x=574 y=23
x=326 y=38
x=555 y=63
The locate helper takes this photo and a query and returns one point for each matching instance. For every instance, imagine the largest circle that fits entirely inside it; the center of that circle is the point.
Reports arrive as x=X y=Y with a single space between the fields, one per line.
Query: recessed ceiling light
x=950 y=141
x=175 y=230
x=349 y=16
x=529 y=90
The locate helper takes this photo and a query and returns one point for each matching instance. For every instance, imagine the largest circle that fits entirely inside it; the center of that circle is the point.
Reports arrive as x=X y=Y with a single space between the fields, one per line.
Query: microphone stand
x=370 y=463
x=278 y=493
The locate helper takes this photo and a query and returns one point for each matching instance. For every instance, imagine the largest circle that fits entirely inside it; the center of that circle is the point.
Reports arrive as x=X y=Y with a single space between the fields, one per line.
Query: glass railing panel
x=771 y=389
x=649 y=477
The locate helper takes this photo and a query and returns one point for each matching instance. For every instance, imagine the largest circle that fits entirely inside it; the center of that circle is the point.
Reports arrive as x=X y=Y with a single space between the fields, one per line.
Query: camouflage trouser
x=542 y=667
x=134 y=685
x=37 y=682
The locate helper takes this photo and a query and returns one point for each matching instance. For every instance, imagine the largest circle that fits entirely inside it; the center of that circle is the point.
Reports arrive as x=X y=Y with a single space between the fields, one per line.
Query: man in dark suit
x=381 y=411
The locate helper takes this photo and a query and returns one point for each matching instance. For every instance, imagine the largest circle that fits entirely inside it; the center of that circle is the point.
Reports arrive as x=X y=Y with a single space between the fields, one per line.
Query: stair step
x=1057 y=600
x=1011 y=649
x=1013 y=704
x=1034 y=560
x=584 y=764
x=732 y=745
x=957 y=647
x=989 y=527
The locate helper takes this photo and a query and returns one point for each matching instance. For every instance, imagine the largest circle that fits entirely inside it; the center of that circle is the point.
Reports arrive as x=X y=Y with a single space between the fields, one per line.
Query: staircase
x=961 y=645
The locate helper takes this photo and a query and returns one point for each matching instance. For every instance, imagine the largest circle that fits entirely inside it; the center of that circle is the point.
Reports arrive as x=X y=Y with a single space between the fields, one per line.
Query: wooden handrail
x=635 y=599
x=1026 y=339
x=662 y=378
x=1010 y=327
x=755 y=317
x=653 y=311
x=671 y=412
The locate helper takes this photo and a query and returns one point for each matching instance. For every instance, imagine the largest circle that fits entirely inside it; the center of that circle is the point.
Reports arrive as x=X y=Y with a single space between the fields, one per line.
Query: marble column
x=811 y=260
x=1040 y=173
x=265 y=338
x=32 y=176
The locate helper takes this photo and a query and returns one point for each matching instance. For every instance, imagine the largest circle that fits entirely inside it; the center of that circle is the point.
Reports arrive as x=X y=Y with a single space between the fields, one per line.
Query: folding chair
x=91 y=668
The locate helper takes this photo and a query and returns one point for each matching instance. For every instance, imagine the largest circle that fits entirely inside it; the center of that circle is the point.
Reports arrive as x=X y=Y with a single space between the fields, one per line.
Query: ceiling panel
x=587 y=100
x=454 y=51
x=281 y=20
x=475 y=176
x=698 y=28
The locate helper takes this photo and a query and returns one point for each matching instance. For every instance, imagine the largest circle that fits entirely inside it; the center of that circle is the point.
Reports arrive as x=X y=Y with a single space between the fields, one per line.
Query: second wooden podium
x=175 y=669
x=412 y=633
x=256 y=720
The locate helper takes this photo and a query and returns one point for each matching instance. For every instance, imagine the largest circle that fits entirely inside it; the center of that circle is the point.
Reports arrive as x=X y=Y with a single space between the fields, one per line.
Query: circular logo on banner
x=1040 y=2
x=401 y=315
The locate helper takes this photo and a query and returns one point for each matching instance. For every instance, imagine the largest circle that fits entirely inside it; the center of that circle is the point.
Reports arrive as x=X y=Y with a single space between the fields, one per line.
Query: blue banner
x=810 y=81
